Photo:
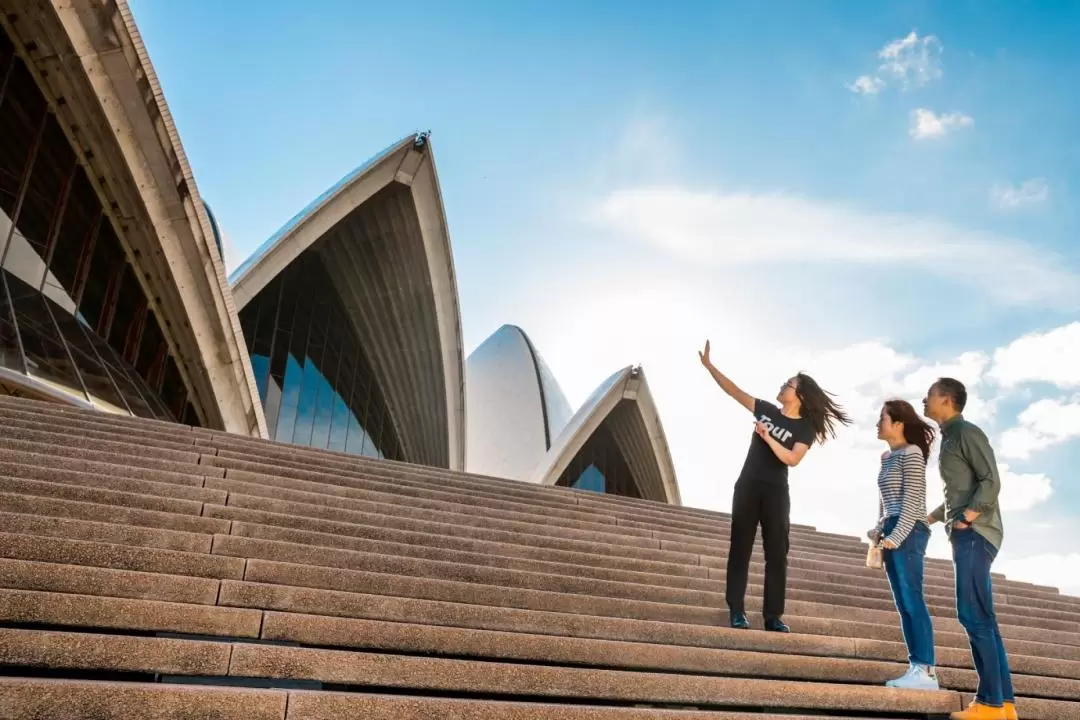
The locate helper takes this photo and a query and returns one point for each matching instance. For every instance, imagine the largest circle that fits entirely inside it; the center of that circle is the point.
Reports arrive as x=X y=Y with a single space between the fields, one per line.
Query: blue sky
x=880 y=192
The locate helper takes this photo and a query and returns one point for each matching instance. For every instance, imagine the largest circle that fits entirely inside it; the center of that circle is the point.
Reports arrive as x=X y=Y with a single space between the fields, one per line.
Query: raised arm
x=725 y=384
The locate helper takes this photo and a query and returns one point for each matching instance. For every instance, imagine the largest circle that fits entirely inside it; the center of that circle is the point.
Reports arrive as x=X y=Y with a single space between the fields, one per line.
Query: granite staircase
x=150 y=570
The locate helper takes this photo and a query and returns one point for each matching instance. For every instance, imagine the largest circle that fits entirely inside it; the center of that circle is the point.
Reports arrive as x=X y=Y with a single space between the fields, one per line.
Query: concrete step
x=206 y=494
x=34 y=698
x=334 y=585
x=17 y=502
x=29 y=607
x=810 y=630
x=577 y=652
x=713 y=548
x=58 y=650
x=288 y=454
x=363 y=489
x=562 y=583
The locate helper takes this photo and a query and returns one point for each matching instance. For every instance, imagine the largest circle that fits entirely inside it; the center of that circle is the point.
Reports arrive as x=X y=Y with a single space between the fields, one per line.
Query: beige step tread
x=66 y=486
x=305 y=705
x=51 y=649
x=82 y=651
x=95 y=511
x=79 y=460
x=16 y=437
x=434 y=674
x=781 y=661
x=317 y=601
x=34 y=699
x=99 y=531
x=38 y=699
x=52 y=577
x=31 y=607
x=119 y=557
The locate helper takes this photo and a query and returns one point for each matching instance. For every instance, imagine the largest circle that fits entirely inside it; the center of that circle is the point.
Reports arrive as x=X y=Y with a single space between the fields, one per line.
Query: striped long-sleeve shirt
x=902 y=490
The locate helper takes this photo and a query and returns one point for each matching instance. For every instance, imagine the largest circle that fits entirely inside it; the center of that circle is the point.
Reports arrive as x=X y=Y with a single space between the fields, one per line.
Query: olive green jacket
x=969 y=473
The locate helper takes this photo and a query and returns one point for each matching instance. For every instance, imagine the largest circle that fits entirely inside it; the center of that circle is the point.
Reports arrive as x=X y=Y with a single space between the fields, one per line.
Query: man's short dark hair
x=954 y=390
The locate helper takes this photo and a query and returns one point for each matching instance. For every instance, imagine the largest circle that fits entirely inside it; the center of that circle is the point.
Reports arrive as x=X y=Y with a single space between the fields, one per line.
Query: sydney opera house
x=342 y=331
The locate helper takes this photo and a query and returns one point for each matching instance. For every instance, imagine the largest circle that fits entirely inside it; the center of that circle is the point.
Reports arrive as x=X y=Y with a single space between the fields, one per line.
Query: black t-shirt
x=761 y=464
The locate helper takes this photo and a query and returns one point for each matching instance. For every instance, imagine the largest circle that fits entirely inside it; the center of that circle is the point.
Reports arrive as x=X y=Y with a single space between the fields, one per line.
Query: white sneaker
x=916 y=678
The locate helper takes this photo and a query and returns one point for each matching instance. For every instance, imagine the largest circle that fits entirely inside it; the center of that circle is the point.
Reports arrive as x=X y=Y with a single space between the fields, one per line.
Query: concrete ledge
x=88 y=611
x=34 y=699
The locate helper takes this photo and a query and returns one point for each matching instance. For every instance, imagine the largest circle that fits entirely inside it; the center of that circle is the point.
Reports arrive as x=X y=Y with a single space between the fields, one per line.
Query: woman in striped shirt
x=903 y=533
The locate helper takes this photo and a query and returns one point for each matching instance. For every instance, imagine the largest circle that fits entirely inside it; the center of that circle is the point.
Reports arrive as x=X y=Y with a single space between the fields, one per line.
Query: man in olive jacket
x=972 y=520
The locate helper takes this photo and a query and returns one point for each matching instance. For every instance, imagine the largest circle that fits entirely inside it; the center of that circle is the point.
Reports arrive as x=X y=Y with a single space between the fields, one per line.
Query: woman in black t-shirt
x=783 y=434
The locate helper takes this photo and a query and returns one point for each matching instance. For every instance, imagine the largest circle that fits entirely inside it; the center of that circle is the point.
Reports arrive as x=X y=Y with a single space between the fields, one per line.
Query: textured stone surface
x=12 y=502
x=50 y=577
x=94 y=531
x=62 y=609
x=433 y=582
x=80 y=487
x=368 y=669
x=35 y=699
x=95 y=651
x=333 y=706
x=119 y=557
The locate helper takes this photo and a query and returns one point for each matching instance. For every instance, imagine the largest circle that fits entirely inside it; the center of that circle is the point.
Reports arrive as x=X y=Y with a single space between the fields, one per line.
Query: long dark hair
x=917 y=431
x=819 y=408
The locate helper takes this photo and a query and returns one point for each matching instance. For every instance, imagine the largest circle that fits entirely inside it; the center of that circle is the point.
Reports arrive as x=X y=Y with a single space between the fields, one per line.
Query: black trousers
x=768 y=505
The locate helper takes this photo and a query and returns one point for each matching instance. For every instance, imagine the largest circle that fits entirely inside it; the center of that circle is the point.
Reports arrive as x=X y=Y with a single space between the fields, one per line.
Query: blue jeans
x=904 y=566
x=972 y=557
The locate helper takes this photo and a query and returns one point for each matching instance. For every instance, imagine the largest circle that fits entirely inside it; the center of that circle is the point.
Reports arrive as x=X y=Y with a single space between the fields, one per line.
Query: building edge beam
x=177 y=217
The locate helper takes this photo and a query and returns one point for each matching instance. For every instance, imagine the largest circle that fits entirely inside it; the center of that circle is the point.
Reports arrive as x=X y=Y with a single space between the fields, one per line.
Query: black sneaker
x=776 y=625
x=739 y=621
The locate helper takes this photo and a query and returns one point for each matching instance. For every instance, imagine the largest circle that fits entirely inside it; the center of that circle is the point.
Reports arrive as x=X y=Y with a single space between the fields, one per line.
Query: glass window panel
x=20 y=118
x=339 y=425
x=97 y=379
x=46 y=356
x=272 y=404
x=305 y=411
x=260 y=368
x=129 y=302
x=116 y=367
x=149 y=347
x=591 y=479
x=10 y=357
x=79 y=223
x=106 y=258
x=173 y=392
x=290 y=399
x=51 y=167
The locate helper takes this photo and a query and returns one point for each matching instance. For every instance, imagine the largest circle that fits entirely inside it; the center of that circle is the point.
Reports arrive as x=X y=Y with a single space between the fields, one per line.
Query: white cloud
x=1022 y=491
x=1052 y=569
x=910 y=61
x=867 y=85
x=1028 y=193
x=738 y=229
x=1043 y=424
x=1051 y=357
x=926 y=125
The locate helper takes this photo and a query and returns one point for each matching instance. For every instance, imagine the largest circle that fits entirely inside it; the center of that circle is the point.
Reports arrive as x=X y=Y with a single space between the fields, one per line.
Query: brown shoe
x=978 y=711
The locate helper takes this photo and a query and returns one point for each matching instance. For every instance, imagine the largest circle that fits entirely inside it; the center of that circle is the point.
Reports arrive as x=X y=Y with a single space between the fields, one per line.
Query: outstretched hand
x=703 y=355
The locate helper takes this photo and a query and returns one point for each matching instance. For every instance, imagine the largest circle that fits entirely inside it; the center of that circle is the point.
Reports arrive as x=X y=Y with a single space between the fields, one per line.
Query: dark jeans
x=972 y=557
x=768 y=505
x=904 y=566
